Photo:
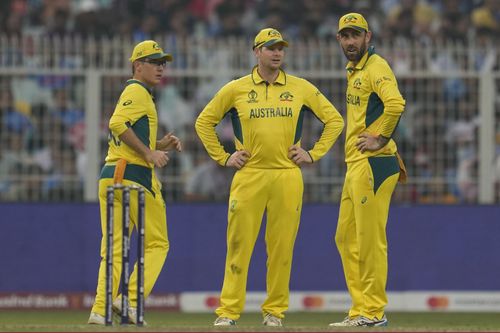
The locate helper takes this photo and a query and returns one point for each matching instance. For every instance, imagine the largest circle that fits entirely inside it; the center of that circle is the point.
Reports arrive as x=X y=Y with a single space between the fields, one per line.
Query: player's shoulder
x=136 y=90
x=137 y=87
x=134 y=93
x=246 y=79
x=298 y=82
x=293 y=79
x=378 y=68
x=376 y=61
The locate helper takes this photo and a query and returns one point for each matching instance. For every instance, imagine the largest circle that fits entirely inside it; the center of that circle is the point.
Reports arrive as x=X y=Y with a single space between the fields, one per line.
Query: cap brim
x=166 y=56
x=354 y=27
x=275 y=41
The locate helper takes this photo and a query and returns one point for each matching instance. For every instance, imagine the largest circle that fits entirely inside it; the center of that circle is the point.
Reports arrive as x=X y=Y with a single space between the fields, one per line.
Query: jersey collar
x=257 y=79
x=131 y=81
x=350 y=67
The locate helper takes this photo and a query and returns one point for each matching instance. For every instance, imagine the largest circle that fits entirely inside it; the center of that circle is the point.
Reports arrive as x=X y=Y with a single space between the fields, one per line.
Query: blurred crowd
x=42 y=116
x=423 y=20
x=41 y=147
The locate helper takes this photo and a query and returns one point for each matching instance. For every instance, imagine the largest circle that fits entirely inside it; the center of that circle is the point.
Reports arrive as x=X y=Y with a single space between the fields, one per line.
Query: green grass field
x=73 y=321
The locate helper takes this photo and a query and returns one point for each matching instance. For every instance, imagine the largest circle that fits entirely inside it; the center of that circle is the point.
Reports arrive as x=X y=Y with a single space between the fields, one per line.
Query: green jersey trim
x=141 y=129
x=382 y=168
x=235 y=119
x=300 y=122
x=374 y=109
x=133 y=172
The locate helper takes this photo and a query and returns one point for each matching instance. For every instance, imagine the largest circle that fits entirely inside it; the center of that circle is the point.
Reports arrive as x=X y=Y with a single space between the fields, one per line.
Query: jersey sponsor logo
x=232 y=206
x=127 y=102
x=357 y=83
x=252 y=96
x=271 y=112
x=383 y=78
x=286 y=97
x=353 y=100
x=235 y=269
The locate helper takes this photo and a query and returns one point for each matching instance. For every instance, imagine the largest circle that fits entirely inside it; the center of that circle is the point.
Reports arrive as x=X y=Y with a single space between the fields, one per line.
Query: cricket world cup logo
x=252 y=97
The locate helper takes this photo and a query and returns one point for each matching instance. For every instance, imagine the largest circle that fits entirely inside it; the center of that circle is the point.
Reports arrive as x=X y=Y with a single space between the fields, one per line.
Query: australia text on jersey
x=353 y=99
x=271 y=112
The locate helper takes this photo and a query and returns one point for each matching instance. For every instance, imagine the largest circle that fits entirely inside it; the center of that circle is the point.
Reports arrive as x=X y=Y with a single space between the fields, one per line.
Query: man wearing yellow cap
x=374 y=106
x=133 y=153
x=267 y=108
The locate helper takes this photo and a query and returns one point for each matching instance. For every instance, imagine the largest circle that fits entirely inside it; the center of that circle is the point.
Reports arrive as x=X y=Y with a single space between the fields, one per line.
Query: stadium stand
x=62 y=66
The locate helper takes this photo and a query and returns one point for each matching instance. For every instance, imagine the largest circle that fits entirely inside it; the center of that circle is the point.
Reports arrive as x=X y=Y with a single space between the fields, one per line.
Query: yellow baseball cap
x=268 y=37
x=149 y=49
x=354 y=21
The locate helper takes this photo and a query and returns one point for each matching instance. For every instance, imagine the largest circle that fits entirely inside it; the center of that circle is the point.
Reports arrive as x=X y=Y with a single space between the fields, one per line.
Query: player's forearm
x=131 y=140
x=208 y=136
x=331 y=131
x=388 y=125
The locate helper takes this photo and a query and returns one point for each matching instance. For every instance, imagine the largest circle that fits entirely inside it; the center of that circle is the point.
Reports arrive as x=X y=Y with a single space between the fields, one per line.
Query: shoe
x=96 y=319
x=344 y=323
x=224 y=321
x=363 y=321
x=132 y=312
x=273 y=321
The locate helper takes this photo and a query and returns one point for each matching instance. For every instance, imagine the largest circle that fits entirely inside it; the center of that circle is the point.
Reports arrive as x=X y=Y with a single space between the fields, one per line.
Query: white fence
x=57 y=95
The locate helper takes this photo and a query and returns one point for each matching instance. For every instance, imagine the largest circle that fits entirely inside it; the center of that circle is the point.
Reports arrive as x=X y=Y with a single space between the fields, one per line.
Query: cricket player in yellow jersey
x=267 y=108
x=133 y=153
x=374 y=106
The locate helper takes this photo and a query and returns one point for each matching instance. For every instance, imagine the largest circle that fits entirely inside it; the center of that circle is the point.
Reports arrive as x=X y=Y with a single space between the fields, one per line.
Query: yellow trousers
x=253 y=191
x=361 y=232
x=155 y=242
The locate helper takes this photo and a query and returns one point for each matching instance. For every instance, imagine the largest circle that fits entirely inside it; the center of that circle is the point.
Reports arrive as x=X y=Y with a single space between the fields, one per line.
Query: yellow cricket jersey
x=267 y=119
x=135 y=109
x=374 y=104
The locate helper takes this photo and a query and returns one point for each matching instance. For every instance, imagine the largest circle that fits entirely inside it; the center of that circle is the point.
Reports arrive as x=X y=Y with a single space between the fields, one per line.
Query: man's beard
x=357 y=56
